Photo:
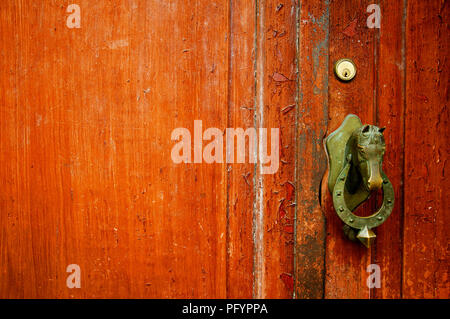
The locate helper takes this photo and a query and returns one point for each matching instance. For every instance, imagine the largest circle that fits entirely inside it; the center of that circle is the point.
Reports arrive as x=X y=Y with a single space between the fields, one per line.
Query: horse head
x=367 y=148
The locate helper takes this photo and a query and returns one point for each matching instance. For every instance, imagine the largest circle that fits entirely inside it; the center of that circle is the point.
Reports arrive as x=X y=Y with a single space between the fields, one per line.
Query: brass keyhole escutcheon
x=345 y=69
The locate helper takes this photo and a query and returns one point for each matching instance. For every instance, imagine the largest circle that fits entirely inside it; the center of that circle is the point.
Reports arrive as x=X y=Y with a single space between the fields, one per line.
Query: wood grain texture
x=241 y=176
x=387 y=252
x=426 y=218
x=276 y=109
x=312 y=118
x=86 y=175
x=86 y=169
x=346 y=261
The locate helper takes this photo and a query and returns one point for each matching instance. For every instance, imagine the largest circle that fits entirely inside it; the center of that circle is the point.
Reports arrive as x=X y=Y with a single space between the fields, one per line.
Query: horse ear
x=365 y=128
x=381 y=130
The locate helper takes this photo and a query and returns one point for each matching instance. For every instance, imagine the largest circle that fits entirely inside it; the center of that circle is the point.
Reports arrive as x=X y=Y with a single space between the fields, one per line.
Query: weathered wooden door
x=91 y=93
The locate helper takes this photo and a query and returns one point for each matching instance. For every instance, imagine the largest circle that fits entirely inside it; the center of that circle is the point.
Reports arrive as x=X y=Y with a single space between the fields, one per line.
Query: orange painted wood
x=390 y=92
x=426 y=218
x=311 y=160
x=346 y=261
x=241 y=186
x=86 y=172
x=276 y=99
x=86 y=175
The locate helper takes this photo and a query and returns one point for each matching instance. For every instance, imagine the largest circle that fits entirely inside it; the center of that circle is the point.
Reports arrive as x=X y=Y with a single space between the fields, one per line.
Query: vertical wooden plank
x=276 y=99
x=94 y=83
x=241 y=114
x=346 y=261
x=181 y=224
x=16 y=255
x=312 y=120
x=258 y=213
x=387 y=252
x=34 y=165
x=86 y=172
x=426 y=218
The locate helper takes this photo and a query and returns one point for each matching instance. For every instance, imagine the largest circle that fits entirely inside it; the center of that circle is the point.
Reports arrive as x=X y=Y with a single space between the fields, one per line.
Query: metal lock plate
x=345 y=69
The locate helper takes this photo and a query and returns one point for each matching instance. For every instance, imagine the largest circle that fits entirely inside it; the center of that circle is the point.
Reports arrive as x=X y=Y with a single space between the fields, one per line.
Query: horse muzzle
x=375 y=180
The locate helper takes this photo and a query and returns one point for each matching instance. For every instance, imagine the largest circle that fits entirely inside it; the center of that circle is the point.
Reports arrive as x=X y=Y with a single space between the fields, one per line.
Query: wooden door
x=88 y=104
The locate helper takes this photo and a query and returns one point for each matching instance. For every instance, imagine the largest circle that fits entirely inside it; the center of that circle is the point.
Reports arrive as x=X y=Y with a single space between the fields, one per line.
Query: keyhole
x=346 y=73
x=345 y=69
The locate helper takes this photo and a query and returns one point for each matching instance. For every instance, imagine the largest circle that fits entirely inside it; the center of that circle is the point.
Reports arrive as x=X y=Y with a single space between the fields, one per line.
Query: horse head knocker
x=355 y=156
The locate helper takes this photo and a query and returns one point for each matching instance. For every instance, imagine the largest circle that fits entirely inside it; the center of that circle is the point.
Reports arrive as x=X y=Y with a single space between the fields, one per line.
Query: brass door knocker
x=355 y=156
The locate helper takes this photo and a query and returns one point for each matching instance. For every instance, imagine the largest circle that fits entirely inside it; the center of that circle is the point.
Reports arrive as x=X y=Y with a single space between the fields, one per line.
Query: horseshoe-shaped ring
x=365 y=224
